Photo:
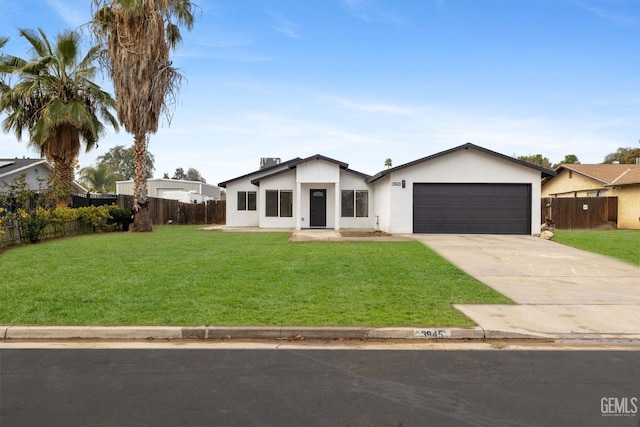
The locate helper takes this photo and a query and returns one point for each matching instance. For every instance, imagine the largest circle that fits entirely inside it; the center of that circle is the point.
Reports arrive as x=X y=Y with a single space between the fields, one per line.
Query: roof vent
x=266 y=162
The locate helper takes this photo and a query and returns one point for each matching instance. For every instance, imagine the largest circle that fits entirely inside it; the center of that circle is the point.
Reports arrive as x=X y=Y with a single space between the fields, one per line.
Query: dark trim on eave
x=287 y=164
x=292 y=164
x=326 y=159
x=257 y=180
x=545 y=172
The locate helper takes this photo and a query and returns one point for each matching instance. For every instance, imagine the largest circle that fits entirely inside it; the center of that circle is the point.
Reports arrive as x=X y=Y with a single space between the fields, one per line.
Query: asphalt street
x=300 y=387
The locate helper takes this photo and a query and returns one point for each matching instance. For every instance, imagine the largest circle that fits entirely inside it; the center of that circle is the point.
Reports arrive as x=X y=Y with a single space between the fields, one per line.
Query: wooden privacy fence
x=164 y=211
x=569 y=213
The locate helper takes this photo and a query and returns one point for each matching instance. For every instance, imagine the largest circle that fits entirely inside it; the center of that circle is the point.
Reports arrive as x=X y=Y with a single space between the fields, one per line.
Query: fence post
x=16 y=227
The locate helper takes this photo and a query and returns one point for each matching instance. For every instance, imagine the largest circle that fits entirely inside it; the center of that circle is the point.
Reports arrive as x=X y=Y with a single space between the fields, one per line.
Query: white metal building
x=174 y=189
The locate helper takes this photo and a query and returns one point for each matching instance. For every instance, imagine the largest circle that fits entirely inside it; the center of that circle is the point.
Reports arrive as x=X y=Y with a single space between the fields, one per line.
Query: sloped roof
x=260 y=171
x=607 y=174
x=13 y=166
x=289 y=165
x=545 y=172
x=10 y=166
x=293 y=165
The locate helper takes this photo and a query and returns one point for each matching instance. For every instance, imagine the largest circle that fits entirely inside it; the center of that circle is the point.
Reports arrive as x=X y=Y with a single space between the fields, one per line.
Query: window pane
x=362 y=204
x=251 y=195
x=242 y=200
x=271 y=203
x=286 y=204
x=347 y=203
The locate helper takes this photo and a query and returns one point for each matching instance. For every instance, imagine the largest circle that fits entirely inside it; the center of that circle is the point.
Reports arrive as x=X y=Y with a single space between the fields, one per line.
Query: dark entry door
x=318 y=207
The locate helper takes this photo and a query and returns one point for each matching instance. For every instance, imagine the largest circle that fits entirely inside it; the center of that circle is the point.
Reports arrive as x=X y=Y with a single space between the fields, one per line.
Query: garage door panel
x=472 y=208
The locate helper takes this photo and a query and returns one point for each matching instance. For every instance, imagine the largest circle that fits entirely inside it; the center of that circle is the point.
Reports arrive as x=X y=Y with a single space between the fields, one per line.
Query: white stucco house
x=467 y=189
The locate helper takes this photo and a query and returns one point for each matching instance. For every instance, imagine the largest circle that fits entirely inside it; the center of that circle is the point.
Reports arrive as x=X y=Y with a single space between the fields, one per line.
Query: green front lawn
x=181 y=275
x=621 y=244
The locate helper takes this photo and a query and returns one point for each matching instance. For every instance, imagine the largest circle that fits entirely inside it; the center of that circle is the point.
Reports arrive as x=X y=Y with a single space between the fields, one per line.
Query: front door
x=318 y=206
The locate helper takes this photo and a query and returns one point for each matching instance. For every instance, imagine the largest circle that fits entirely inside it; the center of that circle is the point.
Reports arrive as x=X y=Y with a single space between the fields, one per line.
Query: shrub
x=121 y=217
x=31 y=212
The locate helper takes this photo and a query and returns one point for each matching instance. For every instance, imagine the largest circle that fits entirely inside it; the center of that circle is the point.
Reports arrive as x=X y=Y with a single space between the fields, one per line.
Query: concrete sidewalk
x=561 y=292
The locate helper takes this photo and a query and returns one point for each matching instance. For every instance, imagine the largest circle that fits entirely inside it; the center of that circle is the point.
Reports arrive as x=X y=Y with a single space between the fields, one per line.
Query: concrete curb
x=292 y=333
x=90 y=332
x=231 y=332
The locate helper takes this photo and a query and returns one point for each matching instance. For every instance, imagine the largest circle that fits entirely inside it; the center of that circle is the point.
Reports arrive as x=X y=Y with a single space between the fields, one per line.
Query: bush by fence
x=31 y=225
x=575 y=213
x=27 y=214
x=92 y=213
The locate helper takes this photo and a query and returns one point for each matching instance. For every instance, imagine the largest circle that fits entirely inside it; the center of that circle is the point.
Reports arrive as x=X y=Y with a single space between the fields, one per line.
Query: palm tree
x=139 y=35
x=3 y=41
x=387 y=163
x=101 y=178
x=55 y=100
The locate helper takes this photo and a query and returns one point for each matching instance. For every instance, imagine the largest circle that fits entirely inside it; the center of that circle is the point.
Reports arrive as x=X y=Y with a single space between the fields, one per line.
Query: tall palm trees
x=55 y=100
x=139 y=34
x=100 y=178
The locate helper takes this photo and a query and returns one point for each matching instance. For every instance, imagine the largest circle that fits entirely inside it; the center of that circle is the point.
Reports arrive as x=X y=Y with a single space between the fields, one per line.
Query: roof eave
x=288 y=163
x=544 y=171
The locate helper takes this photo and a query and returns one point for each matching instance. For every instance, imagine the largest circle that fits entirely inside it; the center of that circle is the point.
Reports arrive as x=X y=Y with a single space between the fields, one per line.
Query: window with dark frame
x=286 y=203
x=362 y=204
x=252 y=200
x=347 y=203
x=355 y=203
x=279 y=203
x=271 y=203
x=247 y=200
x=242 y=200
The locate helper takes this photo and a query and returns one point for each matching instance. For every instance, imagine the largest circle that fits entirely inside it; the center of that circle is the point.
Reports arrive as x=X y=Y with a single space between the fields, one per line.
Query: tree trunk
x=141 y=221
x=63 y=177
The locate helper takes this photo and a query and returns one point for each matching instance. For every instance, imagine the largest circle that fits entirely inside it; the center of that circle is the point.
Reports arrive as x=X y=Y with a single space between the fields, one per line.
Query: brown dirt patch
x=363 y=233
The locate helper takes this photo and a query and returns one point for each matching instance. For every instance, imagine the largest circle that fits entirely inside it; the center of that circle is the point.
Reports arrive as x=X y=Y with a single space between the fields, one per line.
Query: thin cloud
x=73 y=13
x=370 y=107
x=284 y=26
x=372 y=11
x=617 y=18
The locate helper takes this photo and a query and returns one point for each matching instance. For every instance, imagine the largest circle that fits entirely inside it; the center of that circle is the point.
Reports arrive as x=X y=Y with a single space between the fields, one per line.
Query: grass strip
x=181 y=275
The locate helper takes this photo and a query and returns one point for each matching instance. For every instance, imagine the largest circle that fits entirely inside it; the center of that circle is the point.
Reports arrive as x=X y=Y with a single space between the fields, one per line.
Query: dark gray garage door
x=472 y=208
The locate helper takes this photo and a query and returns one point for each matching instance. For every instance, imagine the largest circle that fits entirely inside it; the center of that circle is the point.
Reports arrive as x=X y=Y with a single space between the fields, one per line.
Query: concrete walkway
x=560 y=292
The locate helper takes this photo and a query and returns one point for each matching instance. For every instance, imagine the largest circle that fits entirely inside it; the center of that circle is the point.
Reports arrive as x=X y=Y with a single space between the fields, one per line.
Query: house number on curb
x=432 y=333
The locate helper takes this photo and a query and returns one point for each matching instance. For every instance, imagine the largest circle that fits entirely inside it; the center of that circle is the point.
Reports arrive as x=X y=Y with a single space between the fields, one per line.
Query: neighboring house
x=36 y=172
x=467 y=189
x=600 y=180
x=174 y=189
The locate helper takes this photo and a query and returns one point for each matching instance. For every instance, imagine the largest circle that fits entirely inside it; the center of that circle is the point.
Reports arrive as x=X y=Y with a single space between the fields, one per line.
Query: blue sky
x=365 y=80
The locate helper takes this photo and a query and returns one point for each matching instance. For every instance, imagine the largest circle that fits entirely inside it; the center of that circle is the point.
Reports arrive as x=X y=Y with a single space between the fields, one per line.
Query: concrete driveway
x=560 y=291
